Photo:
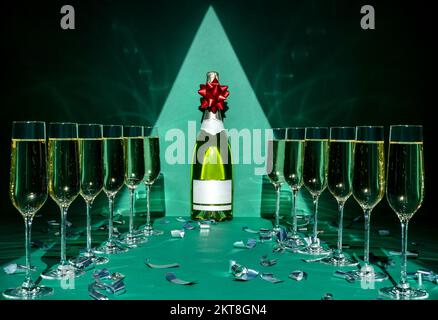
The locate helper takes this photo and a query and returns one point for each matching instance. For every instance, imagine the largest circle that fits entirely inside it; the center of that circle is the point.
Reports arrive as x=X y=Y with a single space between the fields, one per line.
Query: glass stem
x=28 y=283
x=403 y=276
x=315 y=219
x=294 y=211
x=110 y=218
x=89 y=203
x=148 y=208
x=131 y=213
x=340 y=226
x=277 y=209
x=63 y=236
x=366 y=256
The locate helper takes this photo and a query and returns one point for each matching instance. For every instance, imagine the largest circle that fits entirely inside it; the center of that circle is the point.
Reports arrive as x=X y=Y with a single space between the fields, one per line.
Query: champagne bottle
x=212 y=170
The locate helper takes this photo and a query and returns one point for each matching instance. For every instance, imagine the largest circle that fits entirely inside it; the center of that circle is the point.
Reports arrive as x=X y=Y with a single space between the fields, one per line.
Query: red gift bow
x=213 y=96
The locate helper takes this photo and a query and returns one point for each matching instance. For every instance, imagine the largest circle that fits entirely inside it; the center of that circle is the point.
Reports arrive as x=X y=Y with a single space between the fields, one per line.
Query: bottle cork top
x=211 y=75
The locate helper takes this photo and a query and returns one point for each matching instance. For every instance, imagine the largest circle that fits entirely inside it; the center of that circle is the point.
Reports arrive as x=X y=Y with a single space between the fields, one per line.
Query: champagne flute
x=405 y=193
x=133 y=144
x=28 y=192
x=91 y=166
x=315 y=178
x=275 y=163
x=340 y=183
x=114 y=176
x=64 y=186
x=293 y=172
x=152 y=170
x=368 y=187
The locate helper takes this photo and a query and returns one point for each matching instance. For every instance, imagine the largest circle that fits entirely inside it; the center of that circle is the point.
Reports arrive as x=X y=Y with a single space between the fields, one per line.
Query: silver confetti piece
x=383 y=232
x=96 y=294
x=117 y=287
x=181 y=219
x=13 y=268
x=270 y=277
x=242 y=273
x=327 y=296
x=161 y=266
x=100 y=285
x=188 y=225
x=264 y=261
x=298 y=275
x=425 y=275
x=246 y=229
x=265 y=236
x=203 y=225
x=116 y=276
x=177 y=233
x=408 y=253
x=250 y=243
x=171 y=277
x=100 y=274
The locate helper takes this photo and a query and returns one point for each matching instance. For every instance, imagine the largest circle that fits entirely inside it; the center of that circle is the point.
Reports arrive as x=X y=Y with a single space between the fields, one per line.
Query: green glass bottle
x=212 y=169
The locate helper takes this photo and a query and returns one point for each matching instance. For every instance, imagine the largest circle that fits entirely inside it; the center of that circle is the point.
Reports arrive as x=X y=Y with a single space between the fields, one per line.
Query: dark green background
x=309 y=63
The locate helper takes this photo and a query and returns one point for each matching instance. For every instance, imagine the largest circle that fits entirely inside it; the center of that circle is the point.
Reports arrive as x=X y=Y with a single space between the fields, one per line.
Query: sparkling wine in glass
x=340 y=183
x=368 y=187
x=315 y=178
x=91 y=167
x=64 y=186
x=134 y=175
x=28 y=193
x=114 y=178
x=293 y=173
x=405 y=193
x=152 y=170
x=275 y=163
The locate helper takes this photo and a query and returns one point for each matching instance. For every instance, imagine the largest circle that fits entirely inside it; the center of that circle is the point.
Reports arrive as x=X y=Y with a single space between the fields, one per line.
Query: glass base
x=153 y=232
x=96 y=260
x=112 y=247
x=22 y=293
x=367 y=274
x=133 y=240
x=296 y=239
x=403 y=293
x=339 y=261
x=62 y=272
x=315 y=249
x=150 y=231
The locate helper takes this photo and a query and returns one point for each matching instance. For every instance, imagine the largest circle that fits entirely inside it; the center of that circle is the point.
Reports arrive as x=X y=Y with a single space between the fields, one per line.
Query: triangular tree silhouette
x=210 y=51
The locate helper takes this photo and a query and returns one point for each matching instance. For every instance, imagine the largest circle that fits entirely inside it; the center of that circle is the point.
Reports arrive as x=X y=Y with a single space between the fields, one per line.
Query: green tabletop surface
x=204 y=257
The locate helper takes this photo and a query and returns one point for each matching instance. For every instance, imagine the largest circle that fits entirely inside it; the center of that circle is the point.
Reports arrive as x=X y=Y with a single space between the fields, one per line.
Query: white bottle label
x=212 y=195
